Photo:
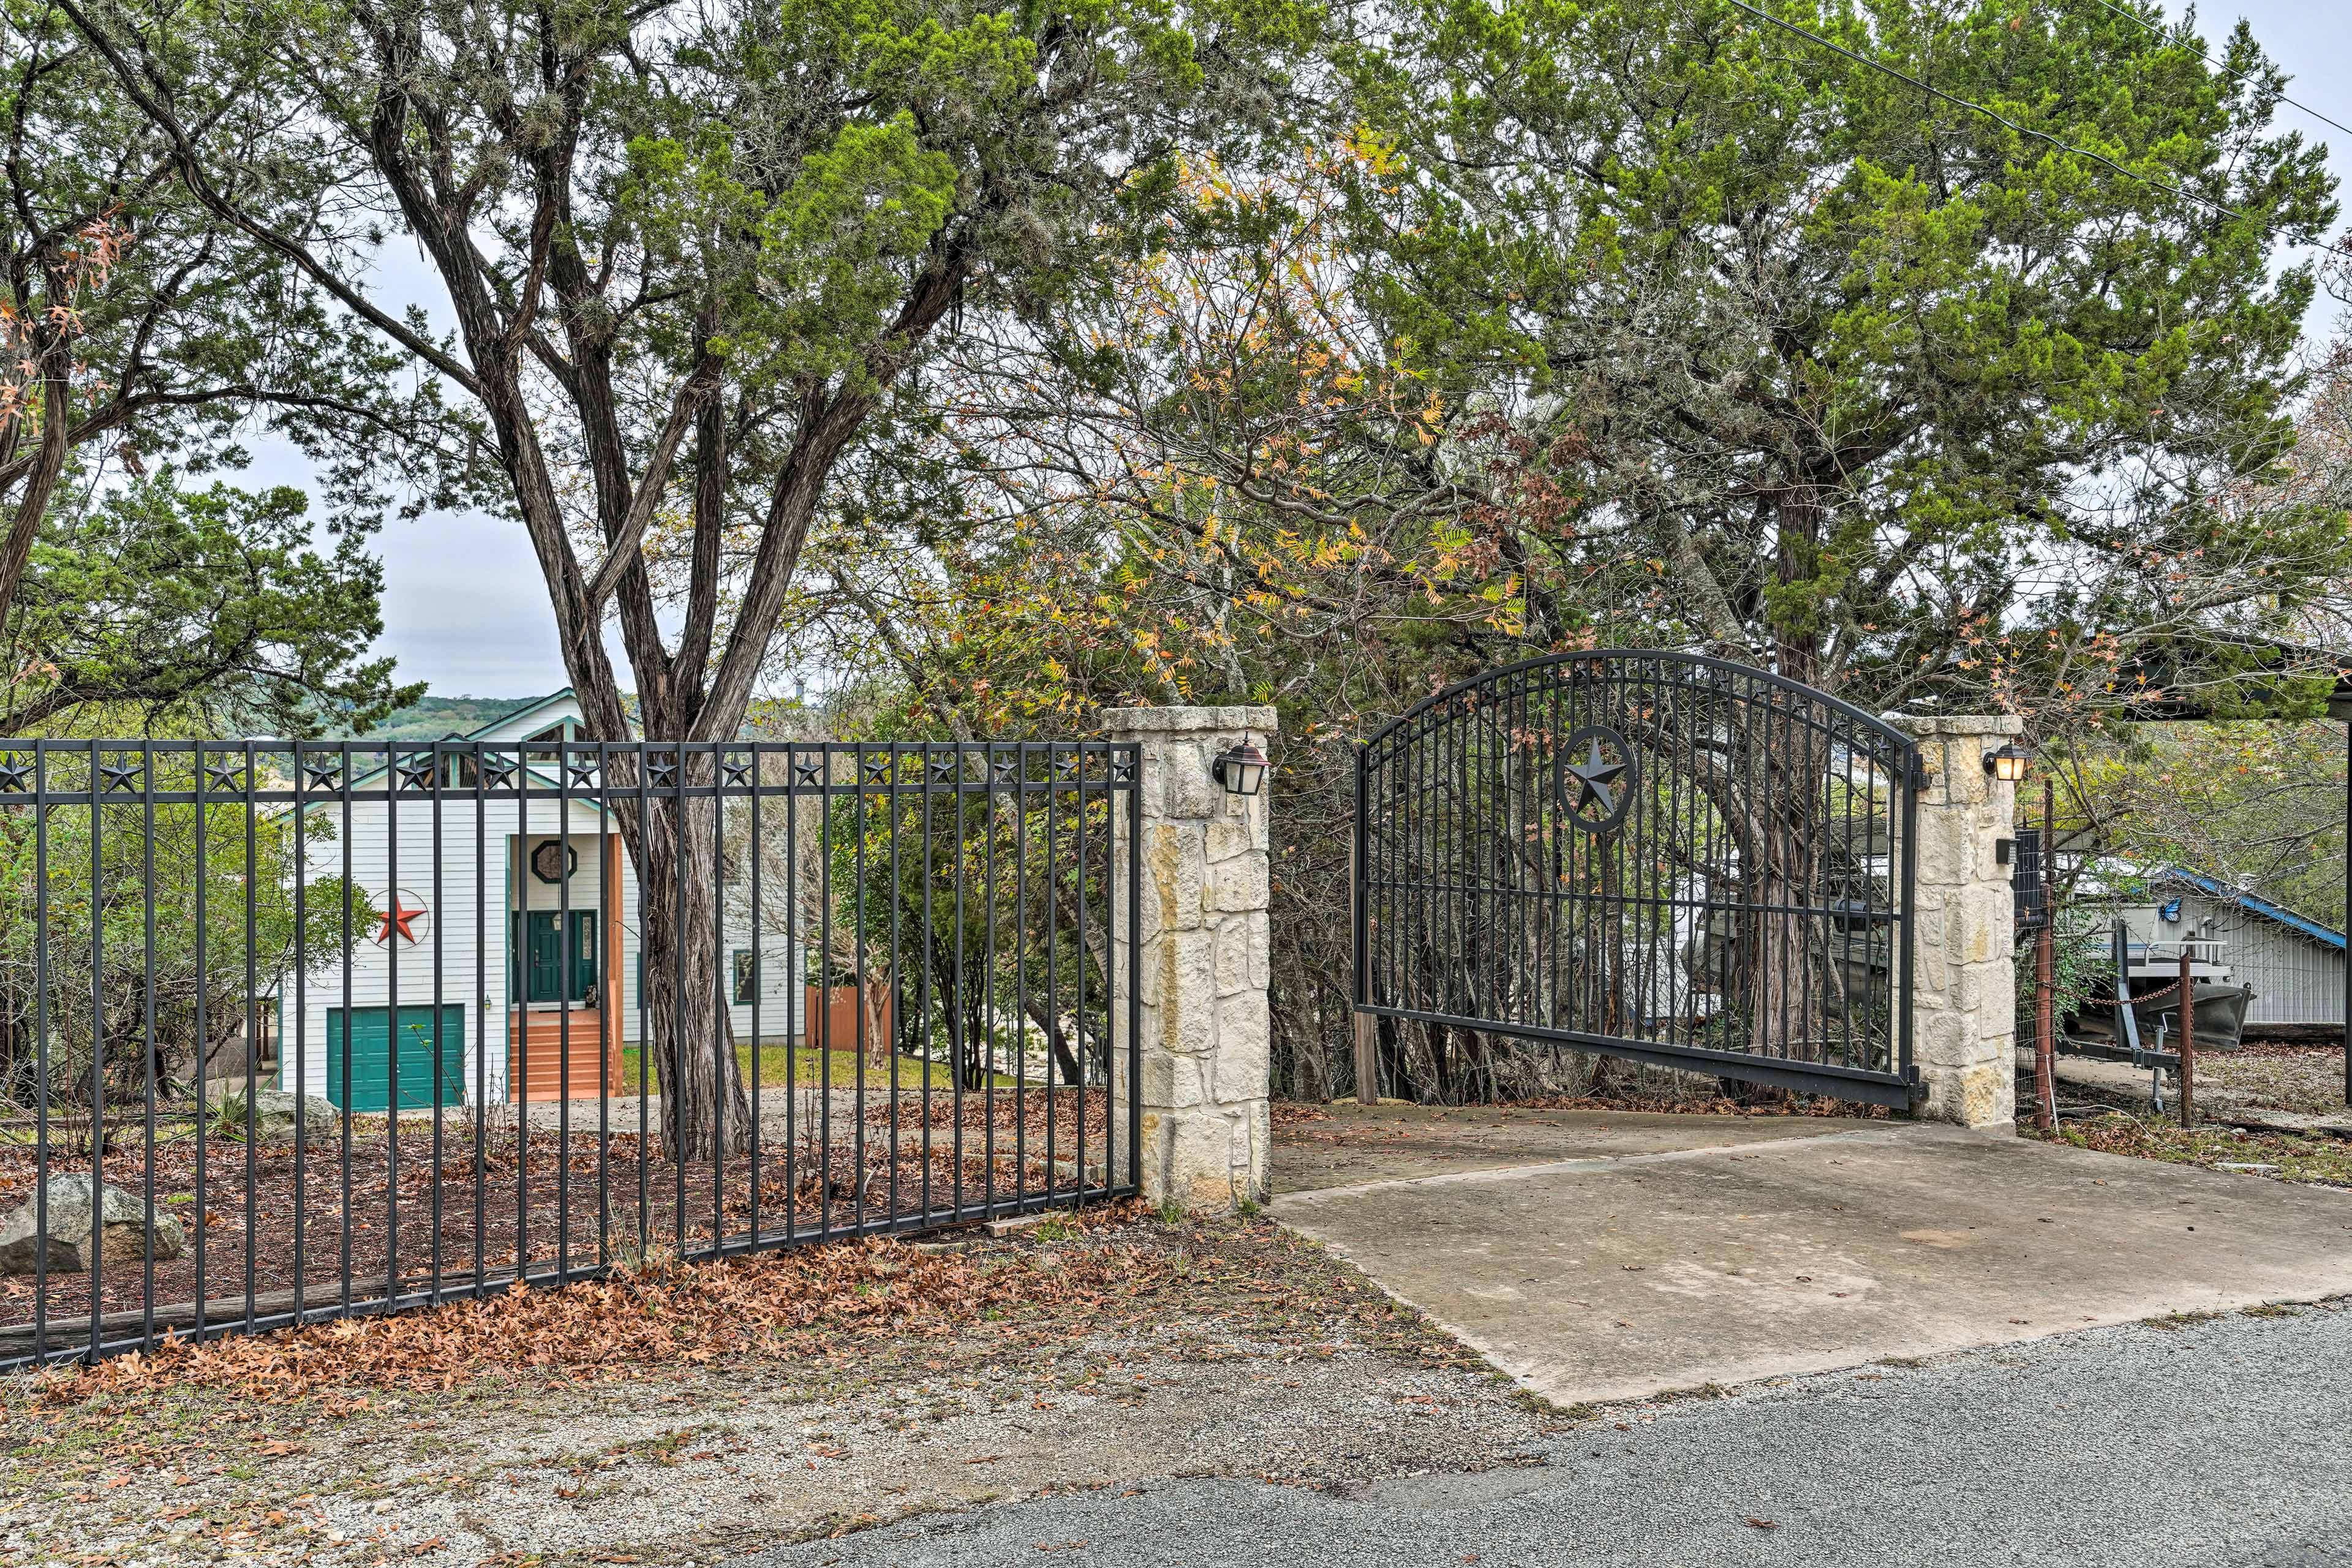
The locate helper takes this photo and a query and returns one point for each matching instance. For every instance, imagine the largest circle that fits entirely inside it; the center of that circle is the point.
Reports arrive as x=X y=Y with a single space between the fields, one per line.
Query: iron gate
x=910 y=955
x=1652 y=856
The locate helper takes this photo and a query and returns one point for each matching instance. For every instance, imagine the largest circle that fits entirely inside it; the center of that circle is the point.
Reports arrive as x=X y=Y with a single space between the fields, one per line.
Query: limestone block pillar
x=1964 y=988
x=1204 y=1042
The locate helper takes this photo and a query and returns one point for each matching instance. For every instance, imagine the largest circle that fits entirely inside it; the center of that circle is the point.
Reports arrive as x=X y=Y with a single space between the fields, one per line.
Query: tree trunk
x=705 y=1112
x=49 y=462
x=1056 y=1038
x=962 y=1008
x=875 y=995
x=1781 y=864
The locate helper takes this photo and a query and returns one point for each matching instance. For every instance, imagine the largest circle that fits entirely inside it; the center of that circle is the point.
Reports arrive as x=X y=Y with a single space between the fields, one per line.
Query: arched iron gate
x=1655 y=856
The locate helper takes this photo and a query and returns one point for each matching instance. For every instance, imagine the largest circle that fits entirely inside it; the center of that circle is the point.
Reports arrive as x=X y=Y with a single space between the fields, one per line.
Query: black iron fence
x=296 y=1030
x=1648 y=855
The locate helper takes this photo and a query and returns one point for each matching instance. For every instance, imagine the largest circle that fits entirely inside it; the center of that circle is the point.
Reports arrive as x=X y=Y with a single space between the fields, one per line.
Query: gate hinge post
x=1192 y=1024
x=1963 y=992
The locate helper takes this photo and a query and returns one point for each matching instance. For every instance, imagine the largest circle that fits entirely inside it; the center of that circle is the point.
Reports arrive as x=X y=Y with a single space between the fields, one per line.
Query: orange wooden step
x=543 y=1054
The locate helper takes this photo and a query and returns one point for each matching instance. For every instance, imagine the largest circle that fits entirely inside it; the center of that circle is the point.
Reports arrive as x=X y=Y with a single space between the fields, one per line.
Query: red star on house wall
x=398 y=918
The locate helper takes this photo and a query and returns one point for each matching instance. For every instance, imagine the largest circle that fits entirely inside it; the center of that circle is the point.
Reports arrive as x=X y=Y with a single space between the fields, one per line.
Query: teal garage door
x=371 y=1058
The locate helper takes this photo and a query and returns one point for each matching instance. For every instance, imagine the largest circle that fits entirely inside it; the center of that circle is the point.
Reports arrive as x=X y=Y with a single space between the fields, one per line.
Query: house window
x=545 y=749
x=747 y=975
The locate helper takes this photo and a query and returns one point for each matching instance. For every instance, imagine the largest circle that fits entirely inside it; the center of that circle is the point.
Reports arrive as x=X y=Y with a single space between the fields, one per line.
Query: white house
x=516 y=926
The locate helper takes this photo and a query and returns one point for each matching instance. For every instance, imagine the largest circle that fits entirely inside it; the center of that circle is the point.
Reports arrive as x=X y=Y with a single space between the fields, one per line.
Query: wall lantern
x=1241 y=769
x=2008 y=764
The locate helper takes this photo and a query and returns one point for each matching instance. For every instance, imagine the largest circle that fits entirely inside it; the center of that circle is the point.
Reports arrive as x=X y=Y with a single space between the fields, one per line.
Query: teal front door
x=545 y=961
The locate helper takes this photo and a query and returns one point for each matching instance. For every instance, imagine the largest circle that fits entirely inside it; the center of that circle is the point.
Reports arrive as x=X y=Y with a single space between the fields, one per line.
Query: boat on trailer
x=2139 y=1019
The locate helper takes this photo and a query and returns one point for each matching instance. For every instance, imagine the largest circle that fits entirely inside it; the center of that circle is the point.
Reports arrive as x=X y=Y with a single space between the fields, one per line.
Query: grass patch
x=2172 y=1321
x=808 y=1066
x=2282 y=1156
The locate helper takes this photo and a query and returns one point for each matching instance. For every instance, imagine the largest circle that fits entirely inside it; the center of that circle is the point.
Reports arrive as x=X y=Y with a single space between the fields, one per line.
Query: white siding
x=780 y=998
x=2297 y=978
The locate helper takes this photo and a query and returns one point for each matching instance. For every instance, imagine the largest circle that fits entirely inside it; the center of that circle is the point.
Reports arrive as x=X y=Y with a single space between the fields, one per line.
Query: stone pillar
x=1203 y=960
x=1964 y=988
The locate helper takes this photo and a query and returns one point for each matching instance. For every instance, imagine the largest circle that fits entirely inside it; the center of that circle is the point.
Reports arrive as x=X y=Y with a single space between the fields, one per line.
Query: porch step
x=543 y=1054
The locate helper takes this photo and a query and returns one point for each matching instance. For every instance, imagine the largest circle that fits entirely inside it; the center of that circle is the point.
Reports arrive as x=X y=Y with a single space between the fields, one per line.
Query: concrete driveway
x=1598 y=1254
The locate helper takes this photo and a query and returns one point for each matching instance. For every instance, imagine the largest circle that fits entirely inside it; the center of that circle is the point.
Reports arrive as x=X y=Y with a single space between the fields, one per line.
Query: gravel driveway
x=2206 y=1443
x=671 y=1428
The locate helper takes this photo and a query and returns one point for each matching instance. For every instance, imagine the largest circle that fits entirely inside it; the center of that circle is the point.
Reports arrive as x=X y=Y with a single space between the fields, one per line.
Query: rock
x=274 y=1115
x=122 y=1233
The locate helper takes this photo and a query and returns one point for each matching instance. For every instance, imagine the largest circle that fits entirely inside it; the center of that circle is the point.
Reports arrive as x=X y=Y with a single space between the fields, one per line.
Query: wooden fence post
x=2045 y=970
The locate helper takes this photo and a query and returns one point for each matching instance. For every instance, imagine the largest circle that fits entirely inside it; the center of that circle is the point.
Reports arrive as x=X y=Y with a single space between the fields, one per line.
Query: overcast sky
x=464 y=609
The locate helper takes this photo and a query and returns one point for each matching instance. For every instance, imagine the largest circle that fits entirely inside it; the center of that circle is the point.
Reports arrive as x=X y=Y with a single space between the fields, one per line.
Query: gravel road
x=2206 y=1444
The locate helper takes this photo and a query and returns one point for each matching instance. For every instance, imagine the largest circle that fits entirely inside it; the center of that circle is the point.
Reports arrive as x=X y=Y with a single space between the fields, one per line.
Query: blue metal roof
x=2215 y=887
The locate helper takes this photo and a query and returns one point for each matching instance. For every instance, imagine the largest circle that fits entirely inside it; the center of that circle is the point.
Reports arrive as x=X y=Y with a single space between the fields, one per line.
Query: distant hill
x=431 y=718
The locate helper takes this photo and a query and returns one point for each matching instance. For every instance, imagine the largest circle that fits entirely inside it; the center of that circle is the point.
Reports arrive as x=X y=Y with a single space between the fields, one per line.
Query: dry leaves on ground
x=2303 y=1079
x=1778 y=1103
x=803 y=1301
x=1108 y=1269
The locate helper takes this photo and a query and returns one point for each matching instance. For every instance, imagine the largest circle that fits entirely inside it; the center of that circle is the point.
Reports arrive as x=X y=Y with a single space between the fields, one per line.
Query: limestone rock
x=122 y=1229
x=275 y=1113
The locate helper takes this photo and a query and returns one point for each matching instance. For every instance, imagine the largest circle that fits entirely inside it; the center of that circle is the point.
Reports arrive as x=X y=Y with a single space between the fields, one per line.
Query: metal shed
x=2294 y=964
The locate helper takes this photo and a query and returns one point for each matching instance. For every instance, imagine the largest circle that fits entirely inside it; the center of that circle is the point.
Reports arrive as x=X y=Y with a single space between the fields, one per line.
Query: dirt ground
x=266 y=1218
x=799 y=1396
x=2315 y=1159
x=2307 y=1081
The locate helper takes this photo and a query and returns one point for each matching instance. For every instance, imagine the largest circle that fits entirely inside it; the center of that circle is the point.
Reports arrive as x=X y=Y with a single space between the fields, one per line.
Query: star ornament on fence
x=1596 y=778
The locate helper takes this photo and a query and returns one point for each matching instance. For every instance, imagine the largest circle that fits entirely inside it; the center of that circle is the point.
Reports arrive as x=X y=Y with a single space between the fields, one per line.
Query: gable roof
x=522 y=722
x=523 y=718
x=2213 y=887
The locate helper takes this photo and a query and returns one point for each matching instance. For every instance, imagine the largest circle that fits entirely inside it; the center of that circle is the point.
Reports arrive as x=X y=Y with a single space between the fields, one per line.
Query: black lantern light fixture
x=2008 y=764
x=1240 y=768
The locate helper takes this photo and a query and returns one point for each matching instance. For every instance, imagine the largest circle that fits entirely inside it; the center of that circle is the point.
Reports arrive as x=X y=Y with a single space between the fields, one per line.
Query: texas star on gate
x=1595 y=776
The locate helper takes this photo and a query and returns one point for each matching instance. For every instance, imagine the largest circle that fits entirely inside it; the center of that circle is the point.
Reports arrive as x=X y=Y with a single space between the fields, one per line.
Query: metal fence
x=1650 y=854
x=322 y=1028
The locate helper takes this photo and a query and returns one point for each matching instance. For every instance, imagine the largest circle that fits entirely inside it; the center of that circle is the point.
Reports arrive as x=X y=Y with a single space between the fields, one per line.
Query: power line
x=1880 y=66
x=2183 y=37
